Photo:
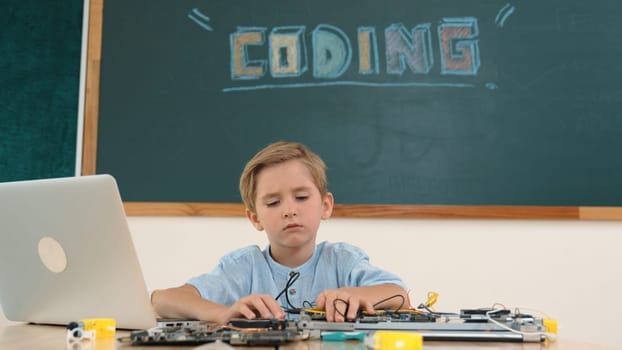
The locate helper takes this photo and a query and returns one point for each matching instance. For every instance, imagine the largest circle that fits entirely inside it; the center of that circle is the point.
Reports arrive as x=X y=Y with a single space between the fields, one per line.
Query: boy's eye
x=272 y=203
x=302 y=197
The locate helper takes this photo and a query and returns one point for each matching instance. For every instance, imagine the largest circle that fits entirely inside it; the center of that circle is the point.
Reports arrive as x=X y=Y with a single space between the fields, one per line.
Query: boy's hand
x=255 y=306
x=341 y=305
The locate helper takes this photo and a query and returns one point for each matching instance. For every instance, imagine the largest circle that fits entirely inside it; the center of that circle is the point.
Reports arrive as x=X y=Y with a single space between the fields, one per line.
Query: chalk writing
x=407 y=52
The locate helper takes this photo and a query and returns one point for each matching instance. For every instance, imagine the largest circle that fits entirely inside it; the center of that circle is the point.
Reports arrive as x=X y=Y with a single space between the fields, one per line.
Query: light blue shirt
x=250 y=270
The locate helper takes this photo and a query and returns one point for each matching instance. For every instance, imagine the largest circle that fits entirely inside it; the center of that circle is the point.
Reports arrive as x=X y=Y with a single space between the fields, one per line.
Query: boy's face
x=289 y=206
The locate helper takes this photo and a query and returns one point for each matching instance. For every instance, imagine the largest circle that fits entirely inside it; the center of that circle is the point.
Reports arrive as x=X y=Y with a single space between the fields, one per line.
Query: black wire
x=392 y=297
x=376 y=304
x=337 y=310
x=293 y=276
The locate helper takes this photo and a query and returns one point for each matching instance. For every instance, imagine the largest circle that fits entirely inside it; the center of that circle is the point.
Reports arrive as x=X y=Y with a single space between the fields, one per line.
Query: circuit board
x=251 y=333
x=468 y=325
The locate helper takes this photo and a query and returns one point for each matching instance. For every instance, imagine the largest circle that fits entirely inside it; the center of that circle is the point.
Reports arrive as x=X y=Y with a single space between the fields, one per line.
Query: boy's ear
x=252 y=217
x=327 y=205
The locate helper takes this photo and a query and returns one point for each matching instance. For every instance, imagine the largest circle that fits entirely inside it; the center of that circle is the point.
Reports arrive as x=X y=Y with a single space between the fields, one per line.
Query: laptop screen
x=66 y=253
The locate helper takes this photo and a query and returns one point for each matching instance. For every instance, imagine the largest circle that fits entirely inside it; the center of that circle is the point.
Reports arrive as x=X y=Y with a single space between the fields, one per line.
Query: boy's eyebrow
x=302 y=188
x=276 y=194
x=268 y=196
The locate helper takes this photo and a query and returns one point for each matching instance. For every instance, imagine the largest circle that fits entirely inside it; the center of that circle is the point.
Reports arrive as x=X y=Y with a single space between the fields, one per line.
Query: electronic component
x=239 y=332
x=483 y=315
x=267 y=324
x=468 y=325
x=80 y=334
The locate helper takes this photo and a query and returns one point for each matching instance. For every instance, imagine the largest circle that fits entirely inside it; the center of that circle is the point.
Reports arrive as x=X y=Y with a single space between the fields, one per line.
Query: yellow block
x=102 y=327
x=550 y=325
x=391 y=340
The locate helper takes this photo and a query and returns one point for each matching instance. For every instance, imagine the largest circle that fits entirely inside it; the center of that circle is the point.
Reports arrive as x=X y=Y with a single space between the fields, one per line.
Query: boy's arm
x=336 y=302
x=186 y=302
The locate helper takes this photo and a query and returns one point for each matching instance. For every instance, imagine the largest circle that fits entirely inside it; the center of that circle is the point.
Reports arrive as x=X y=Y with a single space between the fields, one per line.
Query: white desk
x=18 y=336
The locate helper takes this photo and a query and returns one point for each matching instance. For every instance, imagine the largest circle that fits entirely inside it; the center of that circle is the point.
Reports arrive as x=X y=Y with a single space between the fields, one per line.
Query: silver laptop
x=66 y=254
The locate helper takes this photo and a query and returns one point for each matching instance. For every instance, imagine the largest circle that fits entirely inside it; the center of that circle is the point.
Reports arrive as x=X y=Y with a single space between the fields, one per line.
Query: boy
x=284 y=189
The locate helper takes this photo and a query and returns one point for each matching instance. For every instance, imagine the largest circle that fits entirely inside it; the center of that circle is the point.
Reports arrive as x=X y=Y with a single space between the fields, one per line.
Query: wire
x=392 y=297
x=307 y=304
x=547 y=335
x=293 y=276
x=534 y=310
x=375 y=305
x=337 y=310
x=432 y=298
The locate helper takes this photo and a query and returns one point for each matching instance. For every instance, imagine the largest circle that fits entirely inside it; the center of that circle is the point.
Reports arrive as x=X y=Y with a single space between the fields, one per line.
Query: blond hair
x=277 y=153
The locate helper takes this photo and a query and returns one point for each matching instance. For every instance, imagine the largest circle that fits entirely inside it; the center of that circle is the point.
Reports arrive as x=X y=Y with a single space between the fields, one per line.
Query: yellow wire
x=432 y=298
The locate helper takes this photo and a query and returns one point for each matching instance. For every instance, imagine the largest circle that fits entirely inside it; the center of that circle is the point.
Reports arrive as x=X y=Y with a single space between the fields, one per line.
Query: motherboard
x=468 y=325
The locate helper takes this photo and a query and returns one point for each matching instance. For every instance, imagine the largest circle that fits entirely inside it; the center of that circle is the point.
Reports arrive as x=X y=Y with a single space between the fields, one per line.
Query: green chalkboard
x=40 y=45
x=450 y=102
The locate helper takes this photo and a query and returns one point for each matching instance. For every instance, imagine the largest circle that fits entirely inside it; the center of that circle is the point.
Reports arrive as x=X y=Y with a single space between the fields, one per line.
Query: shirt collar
x=279 y=270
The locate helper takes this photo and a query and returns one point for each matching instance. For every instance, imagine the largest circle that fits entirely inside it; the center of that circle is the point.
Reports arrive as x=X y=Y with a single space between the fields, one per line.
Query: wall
x=569 y=270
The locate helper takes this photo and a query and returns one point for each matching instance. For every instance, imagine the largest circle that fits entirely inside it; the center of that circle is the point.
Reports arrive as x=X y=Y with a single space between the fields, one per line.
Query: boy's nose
x=289 y=210
x=289 y=214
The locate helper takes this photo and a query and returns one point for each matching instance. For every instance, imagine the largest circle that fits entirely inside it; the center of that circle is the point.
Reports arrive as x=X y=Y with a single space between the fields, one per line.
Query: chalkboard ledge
x=390 y=211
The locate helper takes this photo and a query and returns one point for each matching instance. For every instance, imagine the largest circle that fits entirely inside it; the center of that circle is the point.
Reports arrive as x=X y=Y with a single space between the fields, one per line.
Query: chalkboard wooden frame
x=359 y=211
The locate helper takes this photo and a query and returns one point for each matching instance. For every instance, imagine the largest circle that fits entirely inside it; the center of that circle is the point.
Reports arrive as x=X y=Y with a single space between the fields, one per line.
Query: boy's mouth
x=292 y=226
